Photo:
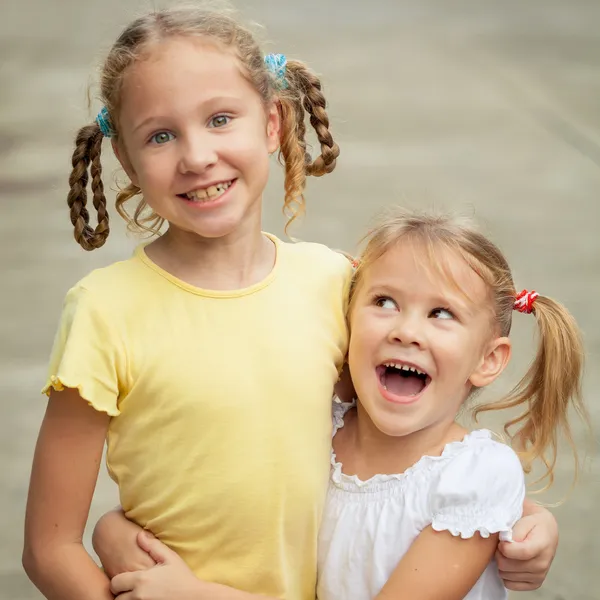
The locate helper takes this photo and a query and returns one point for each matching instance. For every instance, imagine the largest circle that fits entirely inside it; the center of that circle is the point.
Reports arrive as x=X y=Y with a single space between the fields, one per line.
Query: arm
x=524 y=563
x=65 y=468
x=115 y=543
x=439 y=566
x=171 y=579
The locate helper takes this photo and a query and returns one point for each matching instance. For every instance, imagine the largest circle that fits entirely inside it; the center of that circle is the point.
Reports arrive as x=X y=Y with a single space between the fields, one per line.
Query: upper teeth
x=402 y=367
x=210 y=192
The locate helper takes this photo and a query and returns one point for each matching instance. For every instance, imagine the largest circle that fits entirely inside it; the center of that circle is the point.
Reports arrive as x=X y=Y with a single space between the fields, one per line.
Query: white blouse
x=476 y=485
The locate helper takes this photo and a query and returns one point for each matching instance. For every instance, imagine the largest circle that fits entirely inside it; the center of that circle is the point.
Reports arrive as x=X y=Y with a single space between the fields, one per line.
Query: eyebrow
x=147 y=122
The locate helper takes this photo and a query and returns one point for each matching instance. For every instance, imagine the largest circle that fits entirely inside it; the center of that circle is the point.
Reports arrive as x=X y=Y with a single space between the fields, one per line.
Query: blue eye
x=219 y=121
x=442 y=313
x=162 y=137
x=385 y=302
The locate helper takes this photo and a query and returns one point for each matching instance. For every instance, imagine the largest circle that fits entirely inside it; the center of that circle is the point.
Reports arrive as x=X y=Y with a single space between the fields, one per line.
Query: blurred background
x=488 y=107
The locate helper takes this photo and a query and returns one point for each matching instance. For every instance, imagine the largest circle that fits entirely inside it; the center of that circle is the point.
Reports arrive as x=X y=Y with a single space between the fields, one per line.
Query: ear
x=273 y=126
x=125 y=163
x=494 y=361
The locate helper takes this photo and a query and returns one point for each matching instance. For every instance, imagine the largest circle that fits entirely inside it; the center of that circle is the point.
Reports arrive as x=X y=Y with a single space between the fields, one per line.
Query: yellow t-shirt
x=221 y=403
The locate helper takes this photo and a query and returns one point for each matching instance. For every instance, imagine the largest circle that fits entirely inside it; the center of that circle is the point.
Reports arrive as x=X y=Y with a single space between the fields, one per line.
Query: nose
x=198 y=153
x=407 y=330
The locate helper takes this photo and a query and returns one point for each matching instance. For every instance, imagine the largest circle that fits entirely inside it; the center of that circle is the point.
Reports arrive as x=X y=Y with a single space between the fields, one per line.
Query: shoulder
x=317 y=257
x=104 y=281
x=479 y=453
x=480 y=488
x=478 y=464
x=122 y=285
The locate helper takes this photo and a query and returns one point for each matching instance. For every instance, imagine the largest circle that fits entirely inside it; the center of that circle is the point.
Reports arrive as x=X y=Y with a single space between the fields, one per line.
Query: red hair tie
x=524 y=302
x=355 y=263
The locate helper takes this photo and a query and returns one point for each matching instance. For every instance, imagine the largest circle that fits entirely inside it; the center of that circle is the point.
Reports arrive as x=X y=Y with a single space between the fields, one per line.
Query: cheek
x=248 y=152
x=152 y=167
x=458 y=355
x=363 y=338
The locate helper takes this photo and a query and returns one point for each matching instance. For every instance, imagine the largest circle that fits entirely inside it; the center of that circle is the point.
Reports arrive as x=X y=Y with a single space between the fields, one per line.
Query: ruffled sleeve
x=482 y=489
x=87 y=353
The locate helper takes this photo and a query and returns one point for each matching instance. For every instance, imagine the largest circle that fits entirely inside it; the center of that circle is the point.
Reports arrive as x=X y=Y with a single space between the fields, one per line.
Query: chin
x=388 y=422
x=394 y=427
x=215 y=228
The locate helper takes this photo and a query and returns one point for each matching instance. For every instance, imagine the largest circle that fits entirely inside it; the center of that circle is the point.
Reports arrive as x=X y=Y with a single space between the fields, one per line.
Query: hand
x=525 y=562
x=170 y=578
x=115 y=543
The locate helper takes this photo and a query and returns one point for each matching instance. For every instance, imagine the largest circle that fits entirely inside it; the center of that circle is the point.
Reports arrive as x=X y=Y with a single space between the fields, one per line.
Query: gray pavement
x=488 y=107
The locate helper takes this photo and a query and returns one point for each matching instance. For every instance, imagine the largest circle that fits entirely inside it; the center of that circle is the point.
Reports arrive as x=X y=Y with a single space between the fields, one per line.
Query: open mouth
x=402 y=381
x=208 y=194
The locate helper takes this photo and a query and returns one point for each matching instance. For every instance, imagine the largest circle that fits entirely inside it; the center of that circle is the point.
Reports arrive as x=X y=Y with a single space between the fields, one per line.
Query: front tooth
x=212 y=191
x=199 y=194
x=405 y=368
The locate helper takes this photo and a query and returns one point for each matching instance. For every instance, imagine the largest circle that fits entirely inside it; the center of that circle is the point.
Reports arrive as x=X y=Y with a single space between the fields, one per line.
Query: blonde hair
x=302 y=95
x=552 y=383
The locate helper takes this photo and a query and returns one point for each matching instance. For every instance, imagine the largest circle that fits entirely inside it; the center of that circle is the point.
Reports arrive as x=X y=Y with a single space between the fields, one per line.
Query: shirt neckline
x=140 y=253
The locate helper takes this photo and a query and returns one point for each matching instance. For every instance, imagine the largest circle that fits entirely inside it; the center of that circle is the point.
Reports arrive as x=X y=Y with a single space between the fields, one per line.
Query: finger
x=160 y=553
x=125 y=582
x=507 y=565
x=520 y=551
x=519 y=586
x=519 y=577
x=125 y=596
x=523 y=529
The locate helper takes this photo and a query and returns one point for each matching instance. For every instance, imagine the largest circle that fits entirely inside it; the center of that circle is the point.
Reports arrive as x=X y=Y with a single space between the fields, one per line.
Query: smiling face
x=419 y=343
x=195 y=136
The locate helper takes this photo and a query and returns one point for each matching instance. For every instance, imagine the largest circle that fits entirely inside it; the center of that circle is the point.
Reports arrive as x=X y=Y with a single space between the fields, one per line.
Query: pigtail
x=551 y=386
x=303 y=95
x=143 y=220
x=88 y=145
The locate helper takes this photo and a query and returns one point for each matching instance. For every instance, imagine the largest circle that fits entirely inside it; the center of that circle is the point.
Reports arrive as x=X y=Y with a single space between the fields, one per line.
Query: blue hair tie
x=276 y=65
x=103 y=120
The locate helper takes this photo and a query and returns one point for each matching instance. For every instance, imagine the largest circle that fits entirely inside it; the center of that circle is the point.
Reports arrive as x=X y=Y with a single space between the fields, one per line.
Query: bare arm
x=65 y=469
x=115 y=543
x=439 y=566
x=171 y=579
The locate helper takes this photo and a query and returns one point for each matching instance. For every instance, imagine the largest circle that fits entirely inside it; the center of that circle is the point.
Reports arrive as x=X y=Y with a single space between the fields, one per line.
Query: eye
x=162 y=137
x=385 y=302
x=442 y=313
x=219 y=121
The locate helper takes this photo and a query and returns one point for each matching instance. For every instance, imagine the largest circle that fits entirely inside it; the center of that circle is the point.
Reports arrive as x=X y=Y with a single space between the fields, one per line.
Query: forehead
x=415 y=268
x=183 y=67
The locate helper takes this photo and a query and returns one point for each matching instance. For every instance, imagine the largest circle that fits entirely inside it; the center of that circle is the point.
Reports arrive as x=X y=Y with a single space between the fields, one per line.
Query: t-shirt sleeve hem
x=58 y=383
x=466 y=530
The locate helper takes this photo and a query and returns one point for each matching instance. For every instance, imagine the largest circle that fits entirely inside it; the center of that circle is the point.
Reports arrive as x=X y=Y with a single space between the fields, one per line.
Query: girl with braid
x=185 y=357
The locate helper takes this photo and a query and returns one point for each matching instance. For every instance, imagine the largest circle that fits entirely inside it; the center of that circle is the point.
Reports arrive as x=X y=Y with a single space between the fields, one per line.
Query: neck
x=231 y=262
x=394 y=454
